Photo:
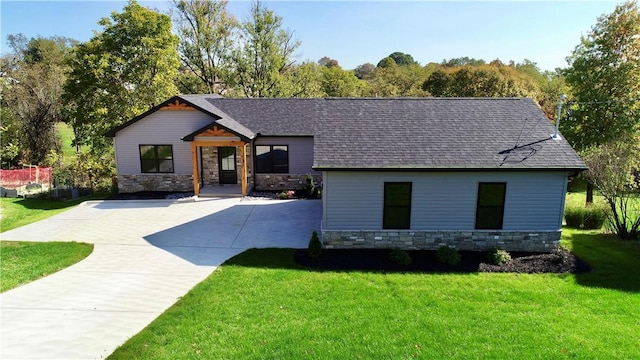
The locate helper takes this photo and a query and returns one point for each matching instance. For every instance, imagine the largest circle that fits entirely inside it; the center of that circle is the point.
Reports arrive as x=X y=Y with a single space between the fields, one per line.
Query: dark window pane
x=489 y=217
x=263 y=159
x=491 y=194
x=490 y=206
x=397 y=206
x=397 y=194
x=148 y=165
x=147 y=152
x=165 y=152
x=272 y=159
x=165 y=166
x=397 y=218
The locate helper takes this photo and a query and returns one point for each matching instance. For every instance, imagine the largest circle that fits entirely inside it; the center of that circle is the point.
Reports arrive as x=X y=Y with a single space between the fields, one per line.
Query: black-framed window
x=156 y=158
x=272 y=159
x=490 y=208
x=397 y=205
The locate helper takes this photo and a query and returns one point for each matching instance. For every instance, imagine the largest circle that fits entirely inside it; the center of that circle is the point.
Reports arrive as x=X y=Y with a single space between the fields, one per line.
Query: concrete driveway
x=147 y=255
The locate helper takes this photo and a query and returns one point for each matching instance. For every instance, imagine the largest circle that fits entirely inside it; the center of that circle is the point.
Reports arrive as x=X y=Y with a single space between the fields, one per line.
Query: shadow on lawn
x=615 y=263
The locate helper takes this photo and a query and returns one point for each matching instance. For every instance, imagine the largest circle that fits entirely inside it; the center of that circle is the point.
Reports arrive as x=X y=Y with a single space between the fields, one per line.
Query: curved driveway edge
x=147 y=254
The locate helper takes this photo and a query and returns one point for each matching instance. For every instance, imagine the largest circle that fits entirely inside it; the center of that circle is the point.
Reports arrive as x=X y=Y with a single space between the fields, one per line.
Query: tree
x=340 y=83
x=122 y=71
x=328 y=62
x=265 y=54
x=364 y=70
x=604 y=75
x=399 y=58
x=494 y=80
x=462 y=61
x=35 y=74
x=304 y=80
x=206 y=31
x=397 y=81
x=612 y=167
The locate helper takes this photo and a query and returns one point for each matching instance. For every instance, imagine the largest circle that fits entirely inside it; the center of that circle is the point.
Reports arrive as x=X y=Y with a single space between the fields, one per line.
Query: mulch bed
x=424 y=261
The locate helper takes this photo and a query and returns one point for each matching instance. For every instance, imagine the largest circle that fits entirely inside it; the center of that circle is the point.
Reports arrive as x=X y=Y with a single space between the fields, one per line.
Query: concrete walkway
x=147 y=255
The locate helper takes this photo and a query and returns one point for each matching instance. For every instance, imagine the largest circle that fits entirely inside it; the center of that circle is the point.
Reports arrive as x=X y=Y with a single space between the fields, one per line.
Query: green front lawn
x=22 y=262
x=18 y=211
x=261 y=305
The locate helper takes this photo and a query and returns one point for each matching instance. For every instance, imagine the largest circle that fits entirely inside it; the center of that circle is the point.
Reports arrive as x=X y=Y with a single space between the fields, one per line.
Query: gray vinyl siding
x=443 y=200
x=160 y=128
x=300 y=152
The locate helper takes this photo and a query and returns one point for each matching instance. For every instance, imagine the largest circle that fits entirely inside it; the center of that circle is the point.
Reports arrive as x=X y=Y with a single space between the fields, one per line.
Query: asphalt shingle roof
x=438 y=133
x=400 y=133
x=272 y=116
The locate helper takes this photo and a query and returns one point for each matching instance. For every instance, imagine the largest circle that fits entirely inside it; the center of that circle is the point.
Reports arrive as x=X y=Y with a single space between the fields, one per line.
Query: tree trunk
x=589 y=193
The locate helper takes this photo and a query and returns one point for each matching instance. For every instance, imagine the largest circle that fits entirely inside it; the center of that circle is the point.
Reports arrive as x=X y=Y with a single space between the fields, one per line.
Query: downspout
x=555 y=135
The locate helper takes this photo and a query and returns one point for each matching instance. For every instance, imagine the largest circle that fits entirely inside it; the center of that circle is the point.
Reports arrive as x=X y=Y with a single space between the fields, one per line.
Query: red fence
x=12 y=179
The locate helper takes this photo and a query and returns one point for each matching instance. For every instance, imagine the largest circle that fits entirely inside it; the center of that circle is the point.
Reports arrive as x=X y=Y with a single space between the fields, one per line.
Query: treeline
x=142 y=57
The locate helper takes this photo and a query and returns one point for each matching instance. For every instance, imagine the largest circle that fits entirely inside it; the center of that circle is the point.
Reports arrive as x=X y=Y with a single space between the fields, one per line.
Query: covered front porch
x=220 y=161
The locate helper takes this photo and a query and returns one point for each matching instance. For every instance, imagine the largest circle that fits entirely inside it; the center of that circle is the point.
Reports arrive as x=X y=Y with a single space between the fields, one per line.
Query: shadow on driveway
x=263 y=224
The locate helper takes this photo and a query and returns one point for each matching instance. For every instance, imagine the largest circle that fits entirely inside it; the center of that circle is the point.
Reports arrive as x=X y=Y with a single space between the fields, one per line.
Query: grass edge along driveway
x=22 y=262
x=261 y=304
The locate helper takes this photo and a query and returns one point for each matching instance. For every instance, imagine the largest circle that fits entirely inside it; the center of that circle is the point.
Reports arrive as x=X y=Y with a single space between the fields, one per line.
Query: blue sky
x=356 y=32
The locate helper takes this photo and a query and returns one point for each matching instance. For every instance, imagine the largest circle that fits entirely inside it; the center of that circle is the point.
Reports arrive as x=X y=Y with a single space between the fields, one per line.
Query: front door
x=227 y=165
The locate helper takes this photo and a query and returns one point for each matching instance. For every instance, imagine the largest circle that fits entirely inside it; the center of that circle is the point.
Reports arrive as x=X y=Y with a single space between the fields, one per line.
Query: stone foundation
x=282 y=182
x=534 y=241
x=155 y=182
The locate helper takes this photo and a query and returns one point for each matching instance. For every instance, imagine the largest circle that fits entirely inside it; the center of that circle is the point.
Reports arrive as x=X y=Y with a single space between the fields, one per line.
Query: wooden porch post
x=243 y=167
x=194 y=159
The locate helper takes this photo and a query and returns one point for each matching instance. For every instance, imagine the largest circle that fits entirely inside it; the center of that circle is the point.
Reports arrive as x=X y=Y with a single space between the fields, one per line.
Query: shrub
x=497 y=256
x=447 y=255
x=562 y=255
x=594 y=216
x=574 y=216
x=589 y=217
x=400 y=257
x=315 y=246
x=286 y=195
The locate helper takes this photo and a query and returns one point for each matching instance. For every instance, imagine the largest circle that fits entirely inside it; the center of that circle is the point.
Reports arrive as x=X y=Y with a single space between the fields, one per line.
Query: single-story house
x=414 y=173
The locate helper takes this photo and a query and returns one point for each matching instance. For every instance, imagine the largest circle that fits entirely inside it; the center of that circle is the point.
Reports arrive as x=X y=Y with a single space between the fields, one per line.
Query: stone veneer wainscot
x=282 y=182
x=154 y=182
x=534 y=241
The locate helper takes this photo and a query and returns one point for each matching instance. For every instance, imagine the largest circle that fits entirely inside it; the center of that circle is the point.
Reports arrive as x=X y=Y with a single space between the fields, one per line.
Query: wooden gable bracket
x=177 y=105
x=216 y=131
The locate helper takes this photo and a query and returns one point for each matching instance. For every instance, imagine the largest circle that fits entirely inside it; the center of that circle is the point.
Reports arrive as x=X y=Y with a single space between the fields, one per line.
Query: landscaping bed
x=562 y=261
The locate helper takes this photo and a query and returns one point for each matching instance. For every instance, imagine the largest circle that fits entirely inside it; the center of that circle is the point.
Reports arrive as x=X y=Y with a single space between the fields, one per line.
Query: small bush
x=589 y=217
x=400 y=256
x=315 y=246
x=562 y=256
x=286 y=195
x=574 y=216
x=497 y=256
x=594 y=217
x=447 y=255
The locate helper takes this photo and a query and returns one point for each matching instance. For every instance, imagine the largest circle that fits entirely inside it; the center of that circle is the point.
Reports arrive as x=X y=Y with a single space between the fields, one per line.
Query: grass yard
x=22 y=262
x=261 y=305
x=18 y=211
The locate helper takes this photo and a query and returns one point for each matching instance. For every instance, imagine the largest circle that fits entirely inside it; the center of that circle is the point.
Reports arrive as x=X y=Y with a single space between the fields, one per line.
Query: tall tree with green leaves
x=34 y=76
x=604 y=75
x=207 y=36
x=121 y=72
x=265 y=54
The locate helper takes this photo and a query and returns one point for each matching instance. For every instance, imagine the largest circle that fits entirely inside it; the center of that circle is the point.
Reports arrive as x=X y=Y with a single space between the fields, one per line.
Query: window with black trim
x=490 y=208
x=156 y=158
x=272 y=159
x=397 y=205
